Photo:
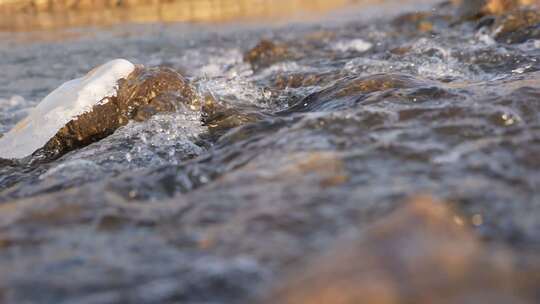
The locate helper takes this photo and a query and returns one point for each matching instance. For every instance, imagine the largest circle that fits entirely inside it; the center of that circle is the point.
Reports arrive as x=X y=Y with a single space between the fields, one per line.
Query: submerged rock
x=423 y=22
x=220 y=116
x=88 y=109
x=423 y=253
x=298 y=80
x=266 y=53
x=351 y=90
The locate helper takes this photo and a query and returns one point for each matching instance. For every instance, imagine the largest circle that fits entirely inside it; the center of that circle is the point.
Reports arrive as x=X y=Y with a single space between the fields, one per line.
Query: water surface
x=324 y=139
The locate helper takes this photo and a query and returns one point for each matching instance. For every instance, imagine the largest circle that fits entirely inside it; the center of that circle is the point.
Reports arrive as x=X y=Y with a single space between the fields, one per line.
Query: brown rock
x=518 y=26
x=266 y=53
x=220 y=116
x=418 y=21
x=473 y=9
x=468 y=10
x=497 y=7
x=283 y=81
x=327 y=168
x=422 y=253
x=378 y=82
x=350 y=90
x=146 y=92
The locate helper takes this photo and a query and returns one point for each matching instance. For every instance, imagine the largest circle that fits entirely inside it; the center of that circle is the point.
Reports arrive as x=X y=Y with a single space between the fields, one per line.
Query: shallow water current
x=325 y=133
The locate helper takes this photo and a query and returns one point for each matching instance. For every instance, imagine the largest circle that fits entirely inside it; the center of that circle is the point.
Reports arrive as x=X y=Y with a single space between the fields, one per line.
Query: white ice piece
x=62 y=105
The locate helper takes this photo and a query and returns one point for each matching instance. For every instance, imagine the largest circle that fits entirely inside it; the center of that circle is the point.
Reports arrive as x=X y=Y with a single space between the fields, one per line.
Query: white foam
x=357 y=45
x=62 y=105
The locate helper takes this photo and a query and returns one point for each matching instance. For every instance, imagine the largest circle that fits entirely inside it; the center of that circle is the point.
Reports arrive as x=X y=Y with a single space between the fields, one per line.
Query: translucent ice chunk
x=62 y=105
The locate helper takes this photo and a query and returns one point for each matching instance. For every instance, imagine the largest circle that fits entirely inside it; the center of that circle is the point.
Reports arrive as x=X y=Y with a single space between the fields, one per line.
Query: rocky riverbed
x=387 y=153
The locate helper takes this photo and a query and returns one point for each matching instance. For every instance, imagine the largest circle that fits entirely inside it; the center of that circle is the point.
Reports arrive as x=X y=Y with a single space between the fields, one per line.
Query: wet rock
x=288 y=89
x=220 y=116
x=401 y=51
x=424 y=22
x=298 y=80
x=498 y=7
x=152 y=90
x=351 y=90
x=295 y=81
x=518 y=26
x=475 y=9
x=430 y=21
x=142 y=94
x=422 y=253
x=468 y=10
x=266 y=53
x=328 y=167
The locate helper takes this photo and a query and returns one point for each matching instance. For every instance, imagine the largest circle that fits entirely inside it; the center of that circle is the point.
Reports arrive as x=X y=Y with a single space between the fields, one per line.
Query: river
x=356 y=112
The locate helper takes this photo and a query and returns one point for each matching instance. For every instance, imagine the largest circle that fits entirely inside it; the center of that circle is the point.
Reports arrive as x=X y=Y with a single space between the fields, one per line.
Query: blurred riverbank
x=24 y=15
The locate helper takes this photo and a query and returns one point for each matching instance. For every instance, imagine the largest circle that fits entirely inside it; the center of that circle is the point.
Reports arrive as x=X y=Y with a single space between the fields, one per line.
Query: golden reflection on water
x=48 y=14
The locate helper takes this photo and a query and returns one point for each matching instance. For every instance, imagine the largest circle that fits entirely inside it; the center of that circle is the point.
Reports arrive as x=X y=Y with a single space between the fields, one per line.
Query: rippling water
x=353 y=117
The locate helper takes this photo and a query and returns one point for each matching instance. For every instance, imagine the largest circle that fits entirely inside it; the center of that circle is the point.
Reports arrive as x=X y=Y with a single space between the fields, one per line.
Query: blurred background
x=16 y=15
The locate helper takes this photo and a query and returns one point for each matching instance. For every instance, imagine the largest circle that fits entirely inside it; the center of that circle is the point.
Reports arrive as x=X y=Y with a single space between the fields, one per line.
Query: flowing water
x=326 y=132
